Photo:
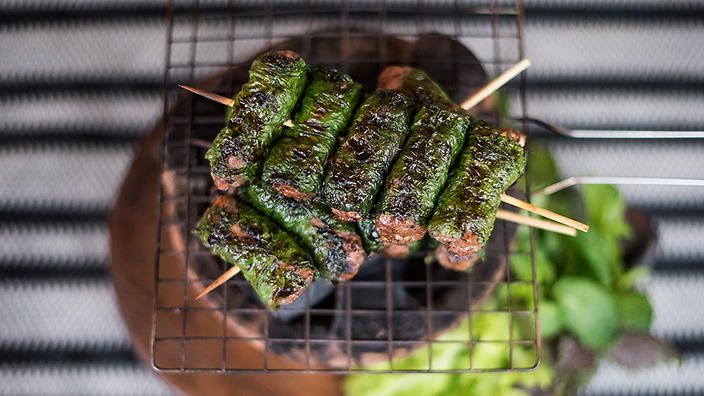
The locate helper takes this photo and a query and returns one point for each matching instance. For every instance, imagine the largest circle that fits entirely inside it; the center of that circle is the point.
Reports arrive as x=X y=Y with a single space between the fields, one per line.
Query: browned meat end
x=395 y=251
x=223 y=185
x=392 y=77
x=465 y=246
x=289 y=53
x=227 y=203
x=288 y=295
x=235 y=162
x=354 y=250
x=514 y=135
x=318 y=223
x=453 y=261
x=398 y=230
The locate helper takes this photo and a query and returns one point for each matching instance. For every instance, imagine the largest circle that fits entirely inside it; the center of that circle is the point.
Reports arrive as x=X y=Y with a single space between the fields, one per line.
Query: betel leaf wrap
x=359 y=166
x=370 y=235
x=276 y=81
x=416 y=84
x=336 y=247
x=419 y=174
x=270 y=260
x=466 y=210
x=296 y=164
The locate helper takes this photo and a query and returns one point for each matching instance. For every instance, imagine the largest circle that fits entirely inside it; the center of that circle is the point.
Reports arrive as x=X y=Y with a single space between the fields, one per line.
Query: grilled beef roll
x=419 y=174
x=465 y=213
x=359 y=166
x=276 y=81
x=270 y=260
x=296 y=163
x=336 y=247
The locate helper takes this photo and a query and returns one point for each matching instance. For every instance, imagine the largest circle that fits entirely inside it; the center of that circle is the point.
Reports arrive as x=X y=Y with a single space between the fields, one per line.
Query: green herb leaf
x=628 y=280
x=521 y=262
x=542 y=168
x=595 y=256
x=550 y=321
x=588 y=310
x=606 y=209
x=635 y=311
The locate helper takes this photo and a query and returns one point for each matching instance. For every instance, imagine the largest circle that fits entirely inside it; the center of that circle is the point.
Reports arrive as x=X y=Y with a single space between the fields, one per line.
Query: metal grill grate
x=394 y=307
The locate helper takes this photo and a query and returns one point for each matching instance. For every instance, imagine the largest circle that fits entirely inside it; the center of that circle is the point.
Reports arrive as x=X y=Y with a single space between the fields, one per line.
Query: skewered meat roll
x=465 y=213
x=270 y=260
x=296 y=163
x=358 y=167
x=276 y=80
x=335 y=245
x=419 y=174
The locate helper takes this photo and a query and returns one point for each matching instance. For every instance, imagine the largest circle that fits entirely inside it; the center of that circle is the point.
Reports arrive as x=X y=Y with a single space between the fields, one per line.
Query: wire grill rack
x=210 y=45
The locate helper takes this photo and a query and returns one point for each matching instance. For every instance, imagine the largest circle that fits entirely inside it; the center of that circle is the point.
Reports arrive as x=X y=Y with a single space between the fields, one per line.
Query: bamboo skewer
x=544 y=212
x=226 y=276
x=535 y=223
x=495 y=84
x=209 y=95
x=220 y=99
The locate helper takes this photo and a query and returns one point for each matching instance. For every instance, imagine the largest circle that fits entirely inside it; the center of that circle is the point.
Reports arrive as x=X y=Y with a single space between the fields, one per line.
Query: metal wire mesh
x=415 y=302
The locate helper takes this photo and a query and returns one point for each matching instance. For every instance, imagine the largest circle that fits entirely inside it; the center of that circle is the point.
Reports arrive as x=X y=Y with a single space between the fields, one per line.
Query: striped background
x=80 y=82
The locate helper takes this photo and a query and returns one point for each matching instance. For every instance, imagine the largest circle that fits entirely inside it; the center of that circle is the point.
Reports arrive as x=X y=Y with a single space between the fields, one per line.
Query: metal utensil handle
x=618 y=180
x=613 y=134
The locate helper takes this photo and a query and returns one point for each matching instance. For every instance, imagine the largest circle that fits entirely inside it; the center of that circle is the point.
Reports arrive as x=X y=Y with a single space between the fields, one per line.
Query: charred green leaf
x=270 y=260
x=370 y=235
x=296 y=164
x=417 y=177
x=336 y=246
x=276 y=80
x=466 y=210
x=358 y=167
